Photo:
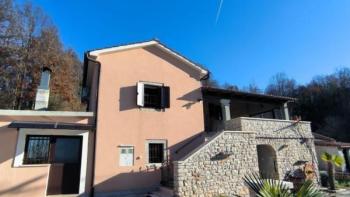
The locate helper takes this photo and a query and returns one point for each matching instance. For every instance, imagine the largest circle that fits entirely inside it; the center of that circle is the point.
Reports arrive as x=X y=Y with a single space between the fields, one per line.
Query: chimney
x=43 y=91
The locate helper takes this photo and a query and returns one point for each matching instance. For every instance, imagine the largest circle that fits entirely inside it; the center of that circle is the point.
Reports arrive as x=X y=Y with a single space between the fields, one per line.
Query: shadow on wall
x=191 y=97
x=128 y=97
x=174 y=61
x=21 y=188
x=8 y=141
x=183 y=148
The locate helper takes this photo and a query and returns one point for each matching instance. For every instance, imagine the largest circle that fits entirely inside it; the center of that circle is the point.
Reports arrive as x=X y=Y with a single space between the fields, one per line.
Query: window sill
x=151 y=109
x=31 y=165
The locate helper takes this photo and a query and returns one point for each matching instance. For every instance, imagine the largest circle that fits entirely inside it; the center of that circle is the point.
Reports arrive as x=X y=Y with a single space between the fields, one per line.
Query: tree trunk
x=331 y=178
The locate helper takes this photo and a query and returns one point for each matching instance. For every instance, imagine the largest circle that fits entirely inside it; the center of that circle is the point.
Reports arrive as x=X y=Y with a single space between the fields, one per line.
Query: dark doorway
x=65 y=159
x=214 y=119
x=267 y=161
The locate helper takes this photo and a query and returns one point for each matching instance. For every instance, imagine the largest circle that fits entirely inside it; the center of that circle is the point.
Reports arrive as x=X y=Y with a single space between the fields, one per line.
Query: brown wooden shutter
x=165 y=97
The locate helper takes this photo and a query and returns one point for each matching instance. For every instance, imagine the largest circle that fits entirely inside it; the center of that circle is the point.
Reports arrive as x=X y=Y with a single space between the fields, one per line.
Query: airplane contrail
x=218 y=11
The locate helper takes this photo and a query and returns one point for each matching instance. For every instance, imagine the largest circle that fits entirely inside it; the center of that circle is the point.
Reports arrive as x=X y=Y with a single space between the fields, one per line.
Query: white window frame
x=126 y=147
x=21 y=142
x=165 y=151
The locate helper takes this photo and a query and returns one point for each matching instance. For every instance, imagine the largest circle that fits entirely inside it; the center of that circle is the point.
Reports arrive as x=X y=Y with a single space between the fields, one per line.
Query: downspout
x=87 y=55
x=205 y=77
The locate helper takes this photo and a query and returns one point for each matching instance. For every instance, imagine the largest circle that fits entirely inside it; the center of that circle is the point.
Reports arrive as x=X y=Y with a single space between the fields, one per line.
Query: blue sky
x=251 y=41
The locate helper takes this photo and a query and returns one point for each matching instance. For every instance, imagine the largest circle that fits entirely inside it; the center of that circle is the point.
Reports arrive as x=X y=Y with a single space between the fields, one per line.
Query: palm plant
x=332 y=160
x=275 y=188
x=308 y=189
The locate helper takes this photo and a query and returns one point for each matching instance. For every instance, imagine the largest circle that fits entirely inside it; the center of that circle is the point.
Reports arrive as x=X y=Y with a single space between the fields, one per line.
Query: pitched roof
x=163 y=47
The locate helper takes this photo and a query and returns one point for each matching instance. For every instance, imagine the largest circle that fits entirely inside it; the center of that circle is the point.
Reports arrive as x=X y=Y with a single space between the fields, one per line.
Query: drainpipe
x=87 y=55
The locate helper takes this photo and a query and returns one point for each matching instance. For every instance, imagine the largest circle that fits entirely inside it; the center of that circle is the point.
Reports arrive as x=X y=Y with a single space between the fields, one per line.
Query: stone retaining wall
x=204 y=173
x=217 y=167
x=272 y=128
x=291 y=154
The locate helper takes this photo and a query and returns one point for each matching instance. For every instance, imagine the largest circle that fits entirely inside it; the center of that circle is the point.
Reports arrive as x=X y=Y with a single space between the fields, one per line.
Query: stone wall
x=272 y=128
x=206 y=171
x=291 y=154
x=292 y=140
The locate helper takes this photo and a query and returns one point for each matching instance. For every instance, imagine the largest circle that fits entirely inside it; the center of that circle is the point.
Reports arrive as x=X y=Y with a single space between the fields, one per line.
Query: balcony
x=270 y=128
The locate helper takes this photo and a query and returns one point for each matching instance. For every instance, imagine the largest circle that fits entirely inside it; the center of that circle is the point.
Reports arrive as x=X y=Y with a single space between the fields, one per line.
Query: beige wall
x=121 y=122
x=25 y=180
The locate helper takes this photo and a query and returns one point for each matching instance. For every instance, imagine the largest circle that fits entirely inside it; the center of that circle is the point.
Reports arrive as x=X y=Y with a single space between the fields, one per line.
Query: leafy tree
x=253 y=88
x=281 y=85
x=29 y=42
x=331 y=161
x=325 y=102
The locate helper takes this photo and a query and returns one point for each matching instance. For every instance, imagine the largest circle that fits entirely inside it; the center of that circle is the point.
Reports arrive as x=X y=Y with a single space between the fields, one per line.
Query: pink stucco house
x=149 y=113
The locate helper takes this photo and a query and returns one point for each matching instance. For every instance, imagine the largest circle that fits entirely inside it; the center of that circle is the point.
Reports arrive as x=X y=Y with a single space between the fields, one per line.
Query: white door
x=126 y=156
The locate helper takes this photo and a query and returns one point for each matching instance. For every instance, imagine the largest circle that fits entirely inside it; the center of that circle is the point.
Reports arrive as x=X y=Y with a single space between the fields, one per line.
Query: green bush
x=342 y=183
x=275 y=188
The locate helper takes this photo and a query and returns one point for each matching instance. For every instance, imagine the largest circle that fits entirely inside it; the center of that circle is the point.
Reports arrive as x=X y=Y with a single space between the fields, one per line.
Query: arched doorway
x=267 y=161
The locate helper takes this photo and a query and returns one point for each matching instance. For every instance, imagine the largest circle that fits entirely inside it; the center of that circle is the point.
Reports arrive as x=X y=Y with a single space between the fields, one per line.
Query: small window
x=156 y=151
x=37 y=150
x=126 y=156
x=152 y=95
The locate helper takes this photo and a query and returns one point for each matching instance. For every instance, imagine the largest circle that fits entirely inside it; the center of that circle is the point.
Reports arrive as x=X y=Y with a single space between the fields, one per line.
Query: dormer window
x=153 y=95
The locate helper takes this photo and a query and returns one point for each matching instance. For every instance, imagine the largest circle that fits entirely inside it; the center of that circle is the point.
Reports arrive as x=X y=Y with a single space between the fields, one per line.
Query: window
x=37 y=150
x=52 y=149
x=152 y=95
x=156 y=151
x=126 y=156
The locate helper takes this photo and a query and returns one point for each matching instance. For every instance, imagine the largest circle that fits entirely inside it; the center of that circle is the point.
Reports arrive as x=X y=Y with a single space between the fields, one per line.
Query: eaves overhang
x=50 y=125
x=225 y=93
x=97 y=52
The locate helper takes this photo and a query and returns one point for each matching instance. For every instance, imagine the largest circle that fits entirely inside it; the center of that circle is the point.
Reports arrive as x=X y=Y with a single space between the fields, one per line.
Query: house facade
x=150 y=122
x=149 y=103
